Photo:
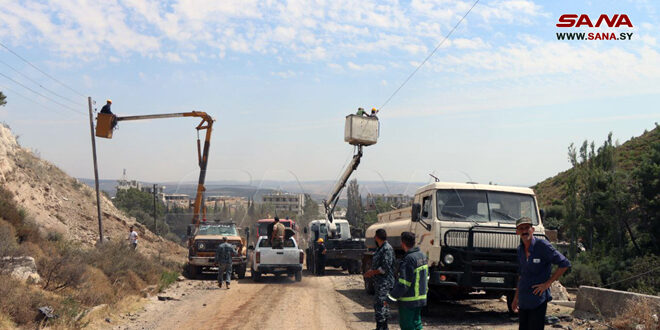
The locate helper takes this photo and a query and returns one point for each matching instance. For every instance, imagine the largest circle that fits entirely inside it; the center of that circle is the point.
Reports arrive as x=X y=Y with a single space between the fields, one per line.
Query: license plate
x=498 y=280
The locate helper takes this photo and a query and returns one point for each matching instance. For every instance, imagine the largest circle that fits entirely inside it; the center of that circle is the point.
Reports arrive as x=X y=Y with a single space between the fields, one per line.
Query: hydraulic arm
x=330 y=202
x=105 y=125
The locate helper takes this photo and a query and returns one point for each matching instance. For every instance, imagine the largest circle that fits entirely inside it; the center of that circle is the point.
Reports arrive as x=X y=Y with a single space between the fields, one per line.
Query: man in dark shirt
x=106 y=107
x=536 y=257
x=320 y=257
x=223 y=255
x=382 y=271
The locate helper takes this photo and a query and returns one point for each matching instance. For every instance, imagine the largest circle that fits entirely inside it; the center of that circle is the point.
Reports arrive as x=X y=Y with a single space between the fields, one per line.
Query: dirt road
x=335 y=301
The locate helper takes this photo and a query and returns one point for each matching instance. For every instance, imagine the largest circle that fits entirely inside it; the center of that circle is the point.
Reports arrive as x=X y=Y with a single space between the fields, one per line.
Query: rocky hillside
x=627 y=157
x=61 y=205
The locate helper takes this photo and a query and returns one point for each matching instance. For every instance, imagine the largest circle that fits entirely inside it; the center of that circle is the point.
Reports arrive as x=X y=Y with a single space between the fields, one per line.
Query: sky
x=499 y=101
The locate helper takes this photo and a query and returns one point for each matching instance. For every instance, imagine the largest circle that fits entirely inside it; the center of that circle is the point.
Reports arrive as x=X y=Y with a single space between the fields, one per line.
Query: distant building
x=396 y=200
x=232 y=202
x=176 y=201
x=286 y=202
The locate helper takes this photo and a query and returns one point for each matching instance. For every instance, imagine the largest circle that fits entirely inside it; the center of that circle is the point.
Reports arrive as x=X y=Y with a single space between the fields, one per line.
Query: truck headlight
x=200 y=246
x=449 y=259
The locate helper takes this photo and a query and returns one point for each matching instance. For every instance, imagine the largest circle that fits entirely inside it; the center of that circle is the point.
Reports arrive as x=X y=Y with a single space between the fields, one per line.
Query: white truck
x=467 y=232
x=266 y=260
x=341 y=250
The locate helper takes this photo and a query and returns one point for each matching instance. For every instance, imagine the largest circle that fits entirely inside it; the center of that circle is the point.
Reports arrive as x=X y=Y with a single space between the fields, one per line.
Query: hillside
x=627 y=157
x=58 y=203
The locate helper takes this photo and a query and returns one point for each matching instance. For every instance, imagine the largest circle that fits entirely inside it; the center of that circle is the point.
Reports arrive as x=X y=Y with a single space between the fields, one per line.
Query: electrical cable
x=42 y=95
x=631 y=277
x=30 y=99
x=40 y=85
x=429 y=56
x=46 y=74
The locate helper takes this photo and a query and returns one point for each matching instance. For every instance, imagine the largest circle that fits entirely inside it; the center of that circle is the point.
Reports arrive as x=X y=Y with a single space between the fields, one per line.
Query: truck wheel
x=240 y=272
x=193 y=271
x=369 y=286
x=256 y=276
x=509 y=301
x=299 y=276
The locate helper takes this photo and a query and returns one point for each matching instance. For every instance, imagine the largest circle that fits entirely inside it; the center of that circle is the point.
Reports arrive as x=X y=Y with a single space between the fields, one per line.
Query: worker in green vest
x=412 y=285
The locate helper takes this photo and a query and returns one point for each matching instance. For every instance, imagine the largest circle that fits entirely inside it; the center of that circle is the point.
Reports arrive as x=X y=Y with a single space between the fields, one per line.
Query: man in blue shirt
x=536 y=257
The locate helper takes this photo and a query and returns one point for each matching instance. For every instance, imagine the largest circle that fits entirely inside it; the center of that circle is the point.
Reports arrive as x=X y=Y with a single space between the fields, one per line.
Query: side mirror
x=416 y=210
x=305 y=230
x=542 y=212
x=190 y=230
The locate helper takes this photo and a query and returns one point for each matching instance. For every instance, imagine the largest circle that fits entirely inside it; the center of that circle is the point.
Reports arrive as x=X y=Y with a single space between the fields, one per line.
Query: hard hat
x=109 y=101
x=374 y=110
x=320 y=240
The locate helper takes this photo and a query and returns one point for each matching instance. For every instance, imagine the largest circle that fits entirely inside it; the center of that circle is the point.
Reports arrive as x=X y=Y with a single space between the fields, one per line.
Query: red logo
x=574 y=20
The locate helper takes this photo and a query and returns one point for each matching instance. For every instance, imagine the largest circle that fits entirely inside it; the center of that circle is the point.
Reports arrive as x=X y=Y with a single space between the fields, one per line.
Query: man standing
x=536 y=257
x=382 y=272
x=223 y=255
x=132 y=237
x=320 y=257
x=106 y=107
x=410 y=290
x=277 y=241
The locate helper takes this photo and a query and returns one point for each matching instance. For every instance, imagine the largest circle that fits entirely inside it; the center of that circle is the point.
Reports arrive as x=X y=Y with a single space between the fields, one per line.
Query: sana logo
x=575 y=20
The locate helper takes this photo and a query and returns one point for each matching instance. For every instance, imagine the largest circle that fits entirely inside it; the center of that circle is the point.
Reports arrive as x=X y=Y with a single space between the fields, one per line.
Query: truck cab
x=467 y=232
x=205 y=241
x=342 y=250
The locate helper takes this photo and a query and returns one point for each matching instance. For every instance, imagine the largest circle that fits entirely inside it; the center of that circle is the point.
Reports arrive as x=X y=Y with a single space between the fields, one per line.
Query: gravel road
x=335 y=301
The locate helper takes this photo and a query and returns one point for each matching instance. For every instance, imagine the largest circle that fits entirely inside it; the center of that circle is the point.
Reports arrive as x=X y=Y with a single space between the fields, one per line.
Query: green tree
x=140 y=204
x=354 y=210
x=3 y=99
x=647 y=190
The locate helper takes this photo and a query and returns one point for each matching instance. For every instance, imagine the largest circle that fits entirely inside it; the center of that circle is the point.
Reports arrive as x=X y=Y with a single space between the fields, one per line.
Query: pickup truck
x=266 y=260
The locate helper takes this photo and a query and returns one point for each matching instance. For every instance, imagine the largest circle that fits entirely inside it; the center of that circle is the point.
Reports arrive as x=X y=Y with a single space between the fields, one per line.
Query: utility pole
x=155 y=223
x=96 y=170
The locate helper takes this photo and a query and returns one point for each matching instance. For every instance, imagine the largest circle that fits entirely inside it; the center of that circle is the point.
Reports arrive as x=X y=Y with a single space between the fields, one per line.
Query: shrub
x=19 y=301
x=582 y=274
x=167 y=278
x=8 y=244
x=639 y=312
x=95 y=288
x=62 y=269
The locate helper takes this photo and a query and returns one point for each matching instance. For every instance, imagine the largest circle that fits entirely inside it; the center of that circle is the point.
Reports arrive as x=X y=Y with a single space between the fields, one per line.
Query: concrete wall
x=605 y=302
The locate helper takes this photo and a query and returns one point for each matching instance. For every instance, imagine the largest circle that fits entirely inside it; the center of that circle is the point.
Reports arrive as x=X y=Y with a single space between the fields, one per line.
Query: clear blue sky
x=500 y=101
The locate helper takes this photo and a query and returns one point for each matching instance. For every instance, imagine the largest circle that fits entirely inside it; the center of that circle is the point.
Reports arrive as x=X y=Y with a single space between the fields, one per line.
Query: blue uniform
x=383 y=260
x=536 y=270
x=223 y=255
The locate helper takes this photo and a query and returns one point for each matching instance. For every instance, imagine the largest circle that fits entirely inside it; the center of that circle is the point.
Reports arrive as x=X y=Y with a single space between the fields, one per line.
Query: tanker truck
x=467 y=231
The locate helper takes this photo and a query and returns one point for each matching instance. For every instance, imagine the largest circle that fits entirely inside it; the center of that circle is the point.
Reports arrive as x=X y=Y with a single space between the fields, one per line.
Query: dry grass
x=95 y=289
x=20 y=302
x=639 y=312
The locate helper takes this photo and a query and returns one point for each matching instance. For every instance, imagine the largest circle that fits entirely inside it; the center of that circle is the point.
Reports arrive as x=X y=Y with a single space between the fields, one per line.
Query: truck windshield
x=218 y=229
x=484 y=206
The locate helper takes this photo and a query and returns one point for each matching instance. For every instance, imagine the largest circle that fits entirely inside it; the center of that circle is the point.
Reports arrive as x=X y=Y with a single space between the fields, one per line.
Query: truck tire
x=299 y=276
x=240 y=272
x=256 y=276
x=369 y=286
x=194 y=271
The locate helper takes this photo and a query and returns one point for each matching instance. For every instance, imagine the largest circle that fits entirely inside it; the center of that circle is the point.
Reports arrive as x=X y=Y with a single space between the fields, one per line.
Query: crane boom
x=330 y=202
x=104 y=129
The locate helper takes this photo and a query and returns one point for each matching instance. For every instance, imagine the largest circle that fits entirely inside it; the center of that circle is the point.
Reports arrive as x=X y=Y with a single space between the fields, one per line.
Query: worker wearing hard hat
x=320 y=257
x=106 y=107
x=374 y=112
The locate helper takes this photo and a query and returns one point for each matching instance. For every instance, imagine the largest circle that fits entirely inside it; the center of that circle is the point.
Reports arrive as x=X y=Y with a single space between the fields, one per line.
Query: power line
x=46 y=74
x=631 y=277
x=429 y=56
x=42 y=95
x=40 y=85
x=30 y=99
